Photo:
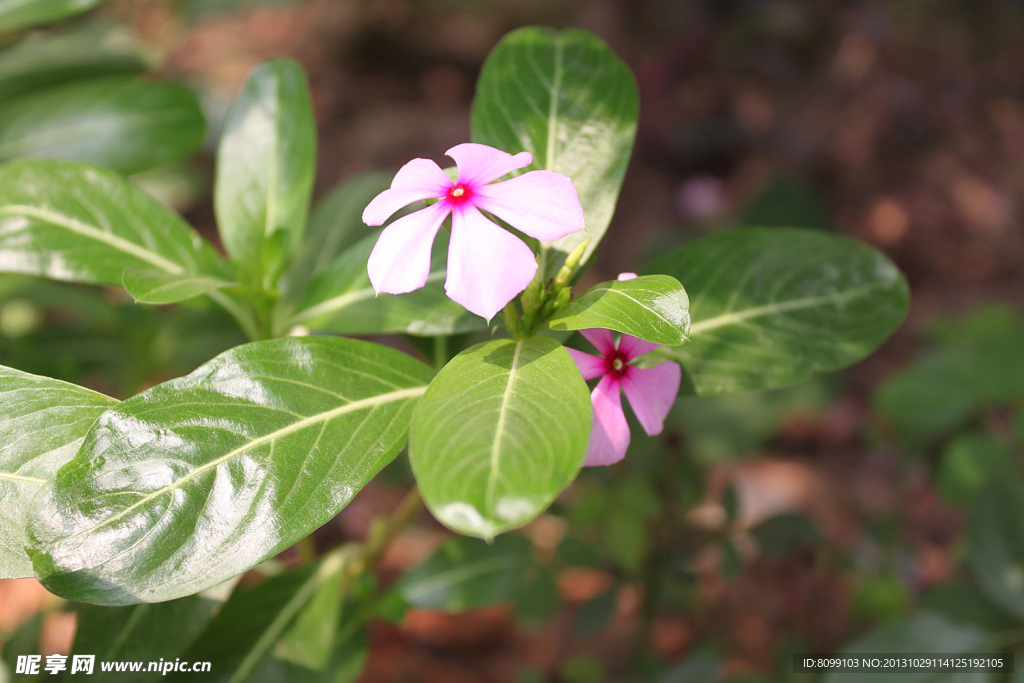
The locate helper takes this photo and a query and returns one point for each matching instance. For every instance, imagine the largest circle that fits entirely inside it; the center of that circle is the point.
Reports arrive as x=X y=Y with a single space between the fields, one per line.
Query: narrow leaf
x=652 y=307
x=77 y=223
x=158 y=287
x=342 y=300
x=23 y=13
x=770 y=307
x=199 y=479
x=126 y=124
x=501 y=431
x=42 y=424
x=567 y=99
x=265 y=167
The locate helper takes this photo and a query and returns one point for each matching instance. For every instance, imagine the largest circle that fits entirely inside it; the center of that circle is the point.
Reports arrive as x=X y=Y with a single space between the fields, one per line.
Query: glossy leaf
x=501 y=431
x=198 y=479
x=466 y=574
x=23 y=13
x=342 y=300
x=265 y=168
x=33 y=65
x=770 y=307
x=996 y=538
x=77 y=223
x=566 y=98
x=147 y=632
x=254 y=638
x=924 y=632
x=652 y=307
x=42 y=425
x=160 y=287
x=125 y=124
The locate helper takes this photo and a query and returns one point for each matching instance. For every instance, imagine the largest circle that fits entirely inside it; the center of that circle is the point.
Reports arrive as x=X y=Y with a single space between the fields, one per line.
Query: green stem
x=243 y=316
x=383 y=531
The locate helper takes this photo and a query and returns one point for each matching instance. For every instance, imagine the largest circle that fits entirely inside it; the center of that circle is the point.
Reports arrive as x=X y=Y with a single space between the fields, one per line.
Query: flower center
x=459 y=194
x=616 y=365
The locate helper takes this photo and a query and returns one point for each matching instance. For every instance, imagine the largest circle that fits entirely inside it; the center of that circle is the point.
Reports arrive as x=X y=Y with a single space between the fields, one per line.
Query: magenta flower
x=487 y=265
x=651 y=392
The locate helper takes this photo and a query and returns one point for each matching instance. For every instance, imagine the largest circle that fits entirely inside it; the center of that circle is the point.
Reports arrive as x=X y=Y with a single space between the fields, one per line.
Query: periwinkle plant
x=177 y=491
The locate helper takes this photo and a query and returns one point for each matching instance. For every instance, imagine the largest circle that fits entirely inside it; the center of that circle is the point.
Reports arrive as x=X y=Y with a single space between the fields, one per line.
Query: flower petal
x=418 y=180
x=487 y=265
x=590 y=366
x=541 y=204
x=626 y=276
x=480 y=164
x=651 y=393
x=601 y=339
x=609 y=437
x=631 y=346
x=400 y=261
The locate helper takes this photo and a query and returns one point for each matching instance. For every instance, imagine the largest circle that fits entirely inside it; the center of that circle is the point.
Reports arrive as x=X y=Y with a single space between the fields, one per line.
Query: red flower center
x=616 y=365
x=459 y=194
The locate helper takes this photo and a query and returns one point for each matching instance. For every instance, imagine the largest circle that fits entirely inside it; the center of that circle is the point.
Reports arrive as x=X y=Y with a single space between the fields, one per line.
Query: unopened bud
x=572 y=261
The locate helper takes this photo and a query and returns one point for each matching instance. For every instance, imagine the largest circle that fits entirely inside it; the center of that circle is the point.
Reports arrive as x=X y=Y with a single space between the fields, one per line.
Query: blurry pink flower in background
x=651 y=392
x=487 y=265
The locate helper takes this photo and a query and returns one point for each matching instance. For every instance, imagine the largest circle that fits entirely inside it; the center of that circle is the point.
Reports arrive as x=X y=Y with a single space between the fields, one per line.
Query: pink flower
x=651 y=392
x=487 y=265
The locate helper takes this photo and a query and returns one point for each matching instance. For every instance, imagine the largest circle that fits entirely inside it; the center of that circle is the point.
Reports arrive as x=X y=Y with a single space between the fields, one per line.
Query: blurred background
x=760 y=524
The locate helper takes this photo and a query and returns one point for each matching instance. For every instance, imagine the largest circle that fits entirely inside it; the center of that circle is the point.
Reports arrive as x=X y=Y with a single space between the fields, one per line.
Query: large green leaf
x=652 y=307
x=341 y=299
x=148 y=632
x=198 y=479
x=22 y=13
x=466 y=574
x=90 y=52
x=122 y=123
x=42 y=424
x=263 y=633
x=996 y=537
x=772 y=306
x=922 y=633
x=566 y=98
x=77 y=223
x=502 y=430
x=265 y=168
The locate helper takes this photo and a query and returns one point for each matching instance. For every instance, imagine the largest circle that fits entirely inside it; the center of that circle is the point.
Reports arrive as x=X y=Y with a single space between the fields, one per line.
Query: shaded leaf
x=770 y=307
x=501 y=431
x=652 y=307
x=567 y=99
x=160 y=287
x=996 y=537
x=42 y=425
x=199 y=479
x=23 y=13
x=122 y=123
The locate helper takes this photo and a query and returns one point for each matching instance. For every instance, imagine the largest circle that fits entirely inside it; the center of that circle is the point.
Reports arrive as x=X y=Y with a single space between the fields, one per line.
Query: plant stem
x=242 y=316
x=383 y=530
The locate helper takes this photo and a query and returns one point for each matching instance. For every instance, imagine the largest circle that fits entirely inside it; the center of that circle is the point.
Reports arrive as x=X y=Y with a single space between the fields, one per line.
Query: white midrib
x=549 y=151
x=329 y=566
x=72 y=225
x=277 y=434
x=24 y=480
x=349 y=298
x=499 y=430
x=758 y=311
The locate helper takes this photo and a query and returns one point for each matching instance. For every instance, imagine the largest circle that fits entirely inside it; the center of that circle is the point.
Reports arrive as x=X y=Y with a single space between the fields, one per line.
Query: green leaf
x=770 y=307
x=996 y=538
x=23 y=13
x=652 y=307
x=342 y=300
x=265 y=167
x=23 y=642
x=921 y=633
x=466 y=574
x=160 y=287
x=50 y=60
x=164 y=630
x=126 y=124
x=969 y=462
x=77 y=223
x=43 y=423
x=199 y=479
x=501 y=431
x=567 y=99
x=254 y=639
x=699 y=668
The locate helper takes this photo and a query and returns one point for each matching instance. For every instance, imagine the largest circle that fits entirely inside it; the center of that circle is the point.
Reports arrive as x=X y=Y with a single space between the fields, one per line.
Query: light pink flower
x=651 y=392
x=487 y=265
